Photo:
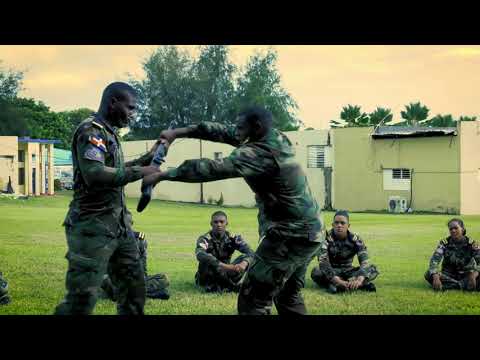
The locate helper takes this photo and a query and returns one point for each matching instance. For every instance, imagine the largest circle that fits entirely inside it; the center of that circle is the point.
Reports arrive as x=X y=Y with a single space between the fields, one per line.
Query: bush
x=220 y=201
x=57 y=185
x=210 y=200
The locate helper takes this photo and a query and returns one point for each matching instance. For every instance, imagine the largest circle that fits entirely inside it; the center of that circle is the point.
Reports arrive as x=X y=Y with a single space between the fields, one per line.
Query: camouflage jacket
x=211 y=250
x=98 y=205
x=339 y=254
x=283 y=196
x=458 y=257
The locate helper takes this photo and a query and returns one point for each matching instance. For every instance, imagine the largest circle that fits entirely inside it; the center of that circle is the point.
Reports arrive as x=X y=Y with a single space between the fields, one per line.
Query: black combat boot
x=370 y=287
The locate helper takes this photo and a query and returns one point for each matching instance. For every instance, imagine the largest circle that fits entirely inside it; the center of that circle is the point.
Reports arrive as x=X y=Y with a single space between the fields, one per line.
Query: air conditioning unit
x=397 y=204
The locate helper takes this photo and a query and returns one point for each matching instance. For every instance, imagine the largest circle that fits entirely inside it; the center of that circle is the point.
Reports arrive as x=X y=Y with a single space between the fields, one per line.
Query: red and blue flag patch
x=98 y=142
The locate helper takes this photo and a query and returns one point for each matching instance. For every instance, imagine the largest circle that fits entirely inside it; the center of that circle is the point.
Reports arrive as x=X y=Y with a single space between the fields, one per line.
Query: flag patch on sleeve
x=98 y=142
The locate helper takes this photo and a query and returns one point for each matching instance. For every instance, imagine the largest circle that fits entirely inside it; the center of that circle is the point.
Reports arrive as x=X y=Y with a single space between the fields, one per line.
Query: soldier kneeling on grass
x=214 y=252
x=156 y=285
x=461 y=261
x=4 y=297
x=335 y=271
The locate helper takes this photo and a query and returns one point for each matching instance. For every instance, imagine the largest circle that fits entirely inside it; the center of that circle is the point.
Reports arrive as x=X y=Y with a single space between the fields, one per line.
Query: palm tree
x=414 y=114
x=380 y=115
x=441 y=121
x=353 y=116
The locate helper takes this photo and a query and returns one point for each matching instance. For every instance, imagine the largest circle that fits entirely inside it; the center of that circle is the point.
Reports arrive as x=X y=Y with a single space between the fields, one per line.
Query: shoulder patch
x=98 y=142
x=204 y=244
x=96 y=124
x=141 y=235
x=94 y=154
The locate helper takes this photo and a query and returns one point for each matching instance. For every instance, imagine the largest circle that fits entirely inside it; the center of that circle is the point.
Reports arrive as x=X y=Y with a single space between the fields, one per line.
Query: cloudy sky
x=321 y=79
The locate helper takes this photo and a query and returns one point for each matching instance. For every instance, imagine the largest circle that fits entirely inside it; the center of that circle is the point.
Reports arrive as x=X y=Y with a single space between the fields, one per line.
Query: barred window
x=316 y=156
x=400 y=173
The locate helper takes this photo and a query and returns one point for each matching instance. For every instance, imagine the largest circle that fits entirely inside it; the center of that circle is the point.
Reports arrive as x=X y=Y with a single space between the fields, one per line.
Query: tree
x=441 y=121
x=10 y=83
x=12 y=122
x=179 y=90
x=351 y=116
x=166 y=93
x=214 y=85
x=414 y=114
x=260 y=84
x=467 y=118
x=380 y=115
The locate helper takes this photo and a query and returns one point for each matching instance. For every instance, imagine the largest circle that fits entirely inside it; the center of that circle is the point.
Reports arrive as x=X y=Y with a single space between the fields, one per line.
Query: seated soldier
x=214 y=251
x=461 y=261
x=4 y=297
x=335 y=270
x=156 y=285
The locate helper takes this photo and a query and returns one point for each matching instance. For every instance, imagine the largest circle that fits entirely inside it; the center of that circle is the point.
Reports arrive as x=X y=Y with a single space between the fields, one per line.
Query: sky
x=322 y=79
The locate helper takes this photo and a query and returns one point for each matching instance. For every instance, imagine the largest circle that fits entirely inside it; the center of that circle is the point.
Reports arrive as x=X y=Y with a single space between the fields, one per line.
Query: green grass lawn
x=32 y=249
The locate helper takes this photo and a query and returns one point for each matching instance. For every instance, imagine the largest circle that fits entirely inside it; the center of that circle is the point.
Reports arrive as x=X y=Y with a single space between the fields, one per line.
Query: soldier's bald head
x=118 y=90
x=257 y=115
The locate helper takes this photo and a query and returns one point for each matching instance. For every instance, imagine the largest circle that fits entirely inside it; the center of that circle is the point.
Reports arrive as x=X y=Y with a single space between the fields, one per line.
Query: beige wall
x=235 y=191
x=360 y=160
x=470 y=167
x=9 y=161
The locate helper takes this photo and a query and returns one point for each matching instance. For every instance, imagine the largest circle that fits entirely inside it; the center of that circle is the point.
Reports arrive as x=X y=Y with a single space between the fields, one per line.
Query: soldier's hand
x=340 y=283
x=436 y=283
x=165 y=143
x=355 y=284
x=227 y=267
x=241 y=267
x=168 y=135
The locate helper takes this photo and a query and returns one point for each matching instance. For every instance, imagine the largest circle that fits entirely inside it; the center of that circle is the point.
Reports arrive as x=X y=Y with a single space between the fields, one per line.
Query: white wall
x=235 y=191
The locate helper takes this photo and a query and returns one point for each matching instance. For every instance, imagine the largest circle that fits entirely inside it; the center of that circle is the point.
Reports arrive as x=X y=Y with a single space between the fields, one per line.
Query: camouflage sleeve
x=91 y=152
x=143 y=160
x=201 y=252
x=474 y=264
x=436 y=259
x=216 y=132
x=324 y=261
x=242 y=246
x=362 y=254
x=242 y=162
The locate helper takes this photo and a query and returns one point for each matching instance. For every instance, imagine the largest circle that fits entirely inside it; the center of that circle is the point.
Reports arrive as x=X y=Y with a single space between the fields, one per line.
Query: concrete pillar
x=51 y=173
x=38 y=180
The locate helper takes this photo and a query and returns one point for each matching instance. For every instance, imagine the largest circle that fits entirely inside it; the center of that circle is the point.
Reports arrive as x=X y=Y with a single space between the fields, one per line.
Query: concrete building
x=313 y=151
x=395 y=168
x=359 y=169
x=28 y=164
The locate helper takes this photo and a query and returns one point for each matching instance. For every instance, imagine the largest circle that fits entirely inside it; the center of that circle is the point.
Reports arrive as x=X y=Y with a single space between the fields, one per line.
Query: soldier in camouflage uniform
x=156 y=285
x=335 y=270
x=461 y=261
x=290 y=226
x=96 y=224
x=214 y=253
x=4 y=297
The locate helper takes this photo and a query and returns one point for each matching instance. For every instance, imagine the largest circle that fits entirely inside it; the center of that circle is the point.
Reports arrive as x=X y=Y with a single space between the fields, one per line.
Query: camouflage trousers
x=90 y=255
x=277 y=275
x=319 y=277
x=452 y=281
x=4 y=297
x=211 y=279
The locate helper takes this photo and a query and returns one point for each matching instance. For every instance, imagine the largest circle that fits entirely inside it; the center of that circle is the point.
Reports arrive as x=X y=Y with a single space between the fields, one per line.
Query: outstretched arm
x=205 y=131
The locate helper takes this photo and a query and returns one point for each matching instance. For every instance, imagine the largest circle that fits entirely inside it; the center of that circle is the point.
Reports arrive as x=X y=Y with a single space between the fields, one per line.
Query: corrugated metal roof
x=390 y=132
x=27 y=139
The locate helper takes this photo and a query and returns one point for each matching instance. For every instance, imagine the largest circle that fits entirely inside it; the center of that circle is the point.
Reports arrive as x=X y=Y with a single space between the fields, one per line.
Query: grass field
x=32 y=249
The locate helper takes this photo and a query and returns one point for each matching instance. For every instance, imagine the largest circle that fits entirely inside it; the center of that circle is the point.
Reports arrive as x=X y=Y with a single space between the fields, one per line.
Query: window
x=316 y=156
x=21 y=156
x=21 y=176
x=217 y=155
x=34 y=160
x=396 y=179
